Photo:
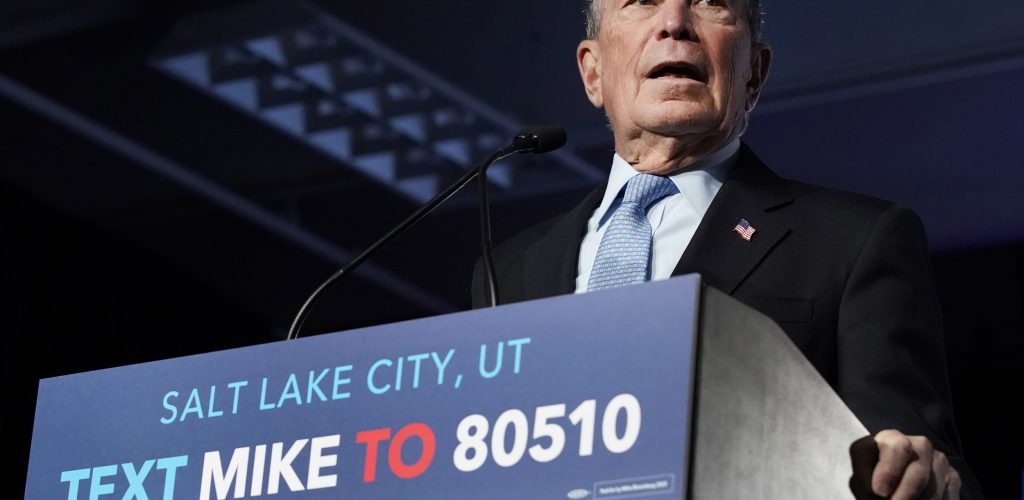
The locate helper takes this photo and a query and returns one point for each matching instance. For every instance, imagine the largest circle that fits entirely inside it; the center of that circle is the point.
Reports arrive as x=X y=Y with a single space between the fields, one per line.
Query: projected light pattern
x=331 y=87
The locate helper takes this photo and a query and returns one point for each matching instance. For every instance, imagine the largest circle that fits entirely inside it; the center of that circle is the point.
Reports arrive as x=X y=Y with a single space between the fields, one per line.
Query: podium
x=665 y=390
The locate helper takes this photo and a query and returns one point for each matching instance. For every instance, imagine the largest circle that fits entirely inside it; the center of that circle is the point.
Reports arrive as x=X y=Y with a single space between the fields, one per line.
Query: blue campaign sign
x=572 y=397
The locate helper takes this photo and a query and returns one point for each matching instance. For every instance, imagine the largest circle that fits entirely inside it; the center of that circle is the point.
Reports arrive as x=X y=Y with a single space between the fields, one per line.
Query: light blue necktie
x=625 y=253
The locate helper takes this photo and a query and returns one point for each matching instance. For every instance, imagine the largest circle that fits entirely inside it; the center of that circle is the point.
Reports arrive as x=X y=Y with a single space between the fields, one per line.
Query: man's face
x=674 y=67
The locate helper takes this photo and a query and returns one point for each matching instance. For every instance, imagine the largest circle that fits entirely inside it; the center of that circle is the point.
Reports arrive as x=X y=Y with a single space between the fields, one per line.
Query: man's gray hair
x=755 y=18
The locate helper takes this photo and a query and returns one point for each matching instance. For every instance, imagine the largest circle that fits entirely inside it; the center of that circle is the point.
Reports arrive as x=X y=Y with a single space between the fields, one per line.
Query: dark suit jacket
x=846 y=276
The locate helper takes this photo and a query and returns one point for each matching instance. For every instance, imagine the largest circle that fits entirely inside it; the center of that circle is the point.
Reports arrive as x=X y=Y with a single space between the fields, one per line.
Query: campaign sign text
x=572 y=397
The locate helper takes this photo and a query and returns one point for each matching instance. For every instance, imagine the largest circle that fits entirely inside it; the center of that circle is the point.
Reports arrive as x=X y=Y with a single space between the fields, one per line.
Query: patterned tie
x=625 y=252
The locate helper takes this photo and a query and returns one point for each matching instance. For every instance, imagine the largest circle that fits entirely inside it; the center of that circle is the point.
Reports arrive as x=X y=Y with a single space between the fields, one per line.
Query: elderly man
x=846 y=276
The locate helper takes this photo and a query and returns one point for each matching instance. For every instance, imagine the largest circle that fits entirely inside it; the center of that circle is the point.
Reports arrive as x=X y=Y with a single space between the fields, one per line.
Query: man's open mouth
x=677 y=70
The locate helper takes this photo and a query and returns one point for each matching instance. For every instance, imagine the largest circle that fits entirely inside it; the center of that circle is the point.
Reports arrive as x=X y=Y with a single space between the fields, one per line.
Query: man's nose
x=675 y=19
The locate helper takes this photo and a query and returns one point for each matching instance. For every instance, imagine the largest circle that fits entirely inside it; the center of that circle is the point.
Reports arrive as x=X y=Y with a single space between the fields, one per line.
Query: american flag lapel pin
x=745 y=230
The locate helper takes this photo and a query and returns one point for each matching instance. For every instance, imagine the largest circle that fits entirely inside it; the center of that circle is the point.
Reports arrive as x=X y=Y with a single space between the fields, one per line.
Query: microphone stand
x=485 y=237
x=479 y=170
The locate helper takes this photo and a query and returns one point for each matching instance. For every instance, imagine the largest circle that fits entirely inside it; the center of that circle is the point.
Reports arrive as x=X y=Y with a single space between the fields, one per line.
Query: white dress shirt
x=674 y=219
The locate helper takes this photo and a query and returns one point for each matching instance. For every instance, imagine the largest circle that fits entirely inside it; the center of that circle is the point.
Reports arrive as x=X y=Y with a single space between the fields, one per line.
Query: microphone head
x=539 y=139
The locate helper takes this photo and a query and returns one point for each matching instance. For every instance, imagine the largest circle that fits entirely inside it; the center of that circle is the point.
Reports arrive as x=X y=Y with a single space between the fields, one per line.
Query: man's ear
x=588 y=56
x=760 y=65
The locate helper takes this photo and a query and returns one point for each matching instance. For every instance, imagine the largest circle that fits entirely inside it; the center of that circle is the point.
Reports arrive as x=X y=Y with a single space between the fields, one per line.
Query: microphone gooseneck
x=537 y=139
x=534 y=139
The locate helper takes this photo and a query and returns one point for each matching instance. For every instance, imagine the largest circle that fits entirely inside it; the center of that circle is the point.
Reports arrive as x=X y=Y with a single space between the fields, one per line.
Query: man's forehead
x=747 y=10
x=604 y=4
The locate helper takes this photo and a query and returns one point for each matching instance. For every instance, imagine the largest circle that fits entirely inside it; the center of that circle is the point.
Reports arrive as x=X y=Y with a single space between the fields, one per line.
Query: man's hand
x=894 y=465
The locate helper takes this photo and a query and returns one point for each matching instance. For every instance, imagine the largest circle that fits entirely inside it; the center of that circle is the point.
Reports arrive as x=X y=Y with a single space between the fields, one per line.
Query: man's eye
x=711 y=3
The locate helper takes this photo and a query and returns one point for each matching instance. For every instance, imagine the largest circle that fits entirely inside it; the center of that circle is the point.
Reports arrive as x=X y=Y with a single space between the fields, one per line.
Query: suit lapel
x=721 y=255
x=552 y=261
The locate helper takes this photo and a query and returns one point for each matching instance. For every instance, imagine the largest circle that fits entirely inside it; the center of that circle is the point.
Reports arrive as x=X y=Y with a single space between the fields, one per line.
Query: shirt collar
x=698 y=184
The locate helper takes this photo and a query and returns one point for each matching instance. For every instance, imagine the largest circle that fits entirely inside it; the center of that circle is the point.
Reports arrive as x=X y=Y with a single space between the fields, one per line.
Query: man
x=846 y=276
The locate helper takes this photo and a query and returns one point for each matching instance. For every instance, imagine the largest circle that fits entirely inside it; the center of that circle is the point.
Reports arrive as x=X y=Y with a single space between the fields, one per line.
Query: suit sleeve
x=891 y=354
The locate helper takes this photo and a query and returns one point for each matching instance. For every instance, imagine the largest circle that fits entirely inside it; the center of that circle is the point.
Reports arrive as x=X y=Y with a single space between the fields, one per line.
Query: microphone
x=532 y=139
x=539 y=139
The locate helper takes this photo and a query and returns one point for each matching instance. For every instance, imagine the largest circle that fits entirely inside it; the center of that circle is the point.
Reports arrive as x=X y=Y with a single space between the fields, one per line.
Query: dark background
x=153 y=218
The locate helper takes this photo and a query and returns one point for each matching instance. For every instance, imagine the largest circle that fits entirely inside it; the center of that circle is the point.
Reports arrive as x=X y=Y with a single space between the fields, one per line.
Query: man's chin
x=677 y=119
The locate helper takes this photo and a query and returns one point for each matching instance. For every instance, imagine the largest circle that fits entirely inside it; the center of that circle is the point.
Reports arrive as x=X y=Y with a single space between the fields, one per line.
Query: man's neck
x=660 y=155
